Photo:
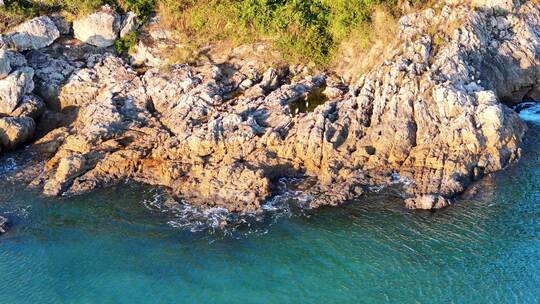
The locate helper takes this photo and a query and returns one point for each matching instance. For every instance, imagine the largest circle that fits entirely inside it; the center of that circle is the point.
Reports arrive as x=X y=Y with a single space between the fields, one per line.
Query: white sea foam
x=185 y=216
x=530 y=112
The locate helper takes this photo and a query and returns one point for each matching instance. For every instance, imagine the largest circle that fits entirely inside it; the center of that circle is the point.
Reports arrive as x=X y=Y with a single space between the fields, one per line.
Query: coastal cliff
x=432 y=115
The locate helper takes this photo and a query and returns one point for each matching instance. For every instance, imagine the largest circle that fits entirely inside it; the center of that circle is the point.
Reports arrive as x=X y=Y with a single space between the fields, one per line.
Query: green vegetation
x=126 y=44
x=301 y=30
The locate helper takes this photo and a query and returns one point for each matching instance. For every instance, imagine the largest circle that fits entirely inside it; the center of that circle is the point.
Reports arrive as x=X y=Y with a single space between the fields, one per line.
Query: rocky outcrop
x=431 y=117
x=33 y=34
x=100 y=28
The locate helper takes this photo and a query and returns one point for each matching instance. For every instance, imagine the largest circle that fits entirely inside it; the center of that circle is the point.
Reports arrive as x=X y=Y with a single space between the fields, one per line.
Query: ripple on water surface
x=121 y=245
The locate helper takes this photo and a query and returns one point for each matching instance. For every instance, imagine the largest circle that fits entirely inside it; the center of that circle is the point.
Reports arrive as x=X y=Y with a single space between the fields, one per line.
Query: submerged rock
x=3 y=225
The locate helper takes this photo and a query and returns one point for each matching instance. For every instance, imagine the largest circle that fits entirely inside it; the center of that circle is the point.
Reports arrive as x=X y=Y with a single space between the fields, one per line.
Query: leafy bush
x=143 y=8
x=125 y=44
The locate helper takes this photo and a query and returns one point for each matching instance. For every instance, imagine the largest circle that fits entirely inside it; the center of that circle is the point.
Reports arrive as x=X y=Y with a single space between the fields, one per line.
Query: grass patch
x=126 y=44
x=302 y=31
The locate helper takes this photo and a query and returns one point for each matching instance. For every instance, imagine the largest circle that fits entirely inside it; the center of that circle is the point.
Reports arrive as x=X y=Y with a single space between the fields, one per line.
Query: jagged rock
x=30 y=106
x=51 y=73
x=430 y=117
x=34 y=34
x=427 y=202
x=5 y=67
x=129 y=24
x=14 y=87
x=100 y=28
x=16 y=130
x=3 y=225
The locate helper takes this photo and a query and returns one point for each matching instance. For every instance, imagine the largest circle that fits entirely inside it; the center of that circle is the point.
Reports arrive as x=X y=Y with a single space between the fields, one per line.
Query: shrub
x=126 y=44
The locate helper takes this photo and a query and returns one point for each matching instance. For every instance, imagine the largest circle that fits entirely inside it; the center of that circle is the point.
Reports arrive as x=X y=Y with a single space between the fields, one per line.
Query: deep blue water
x=116 y=246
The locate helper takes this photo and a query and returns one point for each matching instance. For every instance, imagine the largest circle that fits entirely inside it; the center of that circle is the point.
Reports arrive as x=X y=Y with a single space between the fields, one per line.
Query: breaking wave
x=182 y=215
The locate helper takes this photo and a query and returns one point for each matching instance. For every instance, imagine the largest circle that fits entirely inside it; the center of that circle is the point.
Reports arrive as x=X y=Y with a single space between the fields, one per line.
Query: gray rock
x=5 y=67
x=50 y=75
x=34 y=34
x=100 y=28
x=30 y=106
x=154 y=46
x=14 y=87
x=16 y=59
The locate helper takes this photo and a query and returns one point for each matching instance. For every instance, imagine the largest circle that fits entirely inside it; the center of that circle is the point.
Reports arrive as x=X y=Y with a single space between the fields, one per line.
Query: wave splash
x=286 y=204
x=529 y=111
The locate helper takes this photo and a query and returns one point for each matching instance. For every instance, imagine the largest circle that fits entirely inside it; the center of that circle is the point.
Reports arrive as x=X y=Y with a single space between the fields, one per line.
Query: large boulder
x=14 y=87
x=16 y=130
x=68 y=168
x=100 y=28
x=34 y=34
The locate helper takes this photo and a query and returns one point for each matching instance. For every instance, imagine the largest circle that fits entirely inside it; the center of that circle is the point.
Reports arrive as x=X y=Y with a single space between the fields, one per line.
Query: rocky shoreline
x=431 y=116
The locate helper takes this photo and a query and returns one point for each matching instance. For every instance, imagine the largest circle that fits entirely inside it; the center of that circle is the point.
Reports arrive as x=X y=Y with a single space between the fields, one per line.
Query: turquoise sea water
x=117 y=246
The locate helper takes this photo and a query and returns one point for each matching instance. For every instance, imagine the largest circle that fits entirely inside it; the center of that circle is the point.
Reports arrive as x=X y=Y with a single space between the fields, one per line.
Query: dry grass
x=367 y=45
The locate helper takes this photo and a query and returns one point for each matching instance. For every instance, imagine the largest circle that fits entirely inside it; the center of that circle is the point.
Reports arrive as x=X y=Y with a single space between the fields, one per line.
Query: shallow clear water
x=116 y=246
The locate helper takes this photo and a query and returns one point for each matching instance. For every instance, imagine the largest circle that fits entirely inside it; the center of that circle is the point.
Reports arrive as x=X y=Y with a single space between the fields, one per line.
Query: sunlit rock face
x=100 y=28
x=431 y=117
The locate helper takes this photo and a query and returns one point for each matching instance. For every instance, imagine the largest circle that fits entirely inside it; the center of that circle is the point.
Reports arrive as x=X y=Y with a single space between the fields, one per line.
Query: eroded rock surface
x=430 y=117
